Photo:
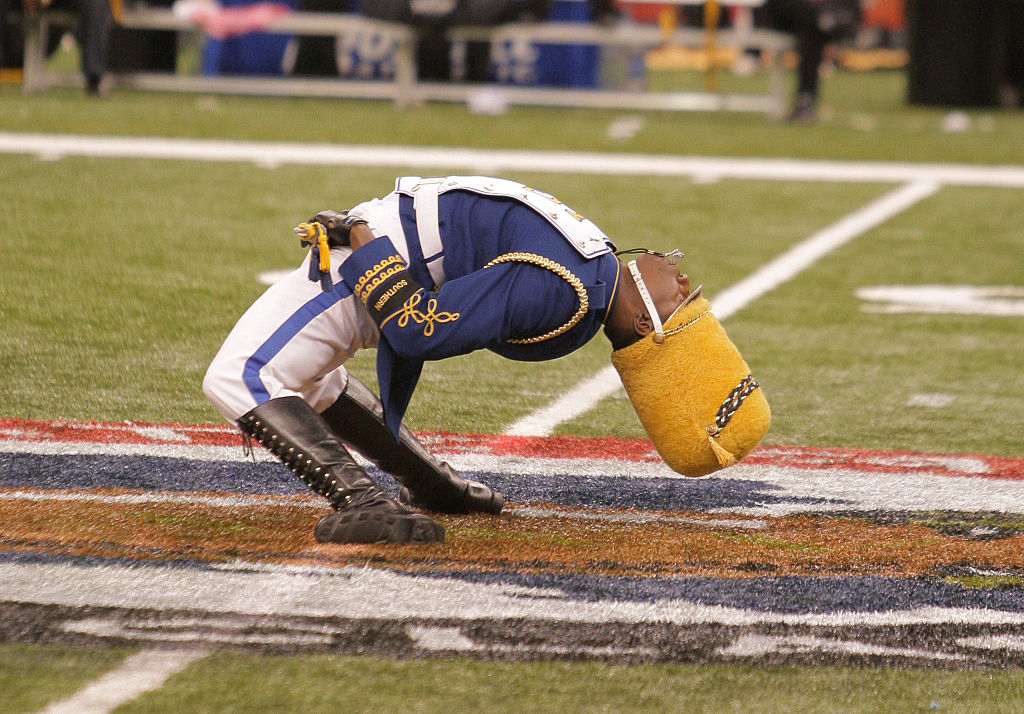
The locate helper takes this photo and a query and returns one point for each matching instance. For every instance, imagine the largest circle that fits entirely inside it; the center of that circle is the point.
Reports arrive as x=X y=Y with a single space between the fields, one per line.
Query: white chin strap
x=659 y=330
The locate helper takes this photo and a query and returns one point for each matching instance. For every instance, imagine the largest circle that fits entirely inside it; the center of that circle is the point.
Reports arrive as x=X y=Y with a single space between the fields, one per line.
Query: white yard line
x=588 y=393
x=806 y=253
x=140 y=673
x=579 y=400
x=267 y=153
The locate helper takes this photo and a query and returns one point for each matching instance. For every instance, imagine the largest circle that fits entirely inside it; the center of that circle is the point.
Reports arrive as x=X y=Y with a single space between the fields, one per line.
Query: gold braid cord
x=562 y=272
x=680 y=328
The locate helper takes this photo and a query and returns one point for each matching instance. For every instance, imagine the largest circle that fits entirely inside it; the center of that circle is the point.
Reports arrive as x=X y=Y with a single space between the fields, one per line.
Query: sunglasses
x=672 y=257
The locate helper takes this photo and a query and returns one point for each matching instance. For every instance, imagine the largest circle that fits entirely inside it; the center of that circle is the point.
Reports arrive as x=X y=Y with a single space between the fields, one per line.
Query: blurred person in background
x=93 y=32
x=432 y=18
x=814 y=24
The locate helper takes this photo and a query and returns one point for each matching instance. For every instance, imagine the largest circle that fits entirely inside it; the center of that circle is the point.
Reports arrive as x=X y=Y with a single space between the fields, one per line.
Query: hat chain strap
x=562 y=272
x=680 y=328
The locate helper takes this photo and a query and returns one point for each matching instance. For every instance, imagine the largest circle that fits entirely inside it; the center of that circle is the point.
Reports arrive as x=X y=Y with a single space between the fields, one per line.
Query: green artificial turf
x=234 y=683
x=116 y=302
x=864 y=116
x=31 y=676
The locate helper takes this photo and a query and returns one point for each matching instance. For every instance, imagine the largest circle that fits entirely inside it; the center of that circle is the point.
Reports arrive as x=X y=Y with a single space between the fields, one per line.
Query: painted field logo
x=998 y=300
x=166 y=536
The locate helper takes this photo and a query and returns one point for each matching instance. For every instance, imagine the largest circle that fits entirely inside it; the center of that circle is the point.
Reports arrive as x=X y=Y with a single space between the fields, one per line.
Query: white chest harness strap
x=425 y=204
x=581 y=233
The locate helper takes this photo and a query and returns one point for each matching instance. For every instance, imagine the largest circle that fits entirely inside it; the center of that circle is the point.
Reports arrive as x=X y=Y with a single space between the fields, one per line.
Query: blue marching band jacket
x=478 y=263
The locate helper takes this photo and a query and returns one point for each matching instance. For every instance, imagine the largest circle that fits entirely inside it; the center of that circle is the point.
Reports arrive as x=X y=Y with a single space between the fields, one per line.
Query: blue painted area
x=646 y=493
x=825 y=594
x=175 y=474
x=789 y=594
x=147 y=473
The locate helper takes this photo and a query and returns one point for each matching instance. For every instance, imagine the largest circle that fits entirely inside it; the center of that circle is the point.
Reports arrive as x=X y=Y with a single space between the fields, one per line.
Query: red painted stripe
x=882 y=461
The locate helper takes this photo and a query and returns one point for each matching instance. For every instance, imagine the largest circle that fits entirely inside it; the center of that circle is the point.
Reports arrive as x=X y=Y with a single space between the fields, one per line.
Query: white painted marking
x=804 y=254
x=578 y=400
x=359 y=592
x=159 y=433
x=482 y=461
x=220 y=631
x=574 y=650
x=447 y=639
x=625 y=128
x=138 y=674
x=439 y=639
x=150 y=497
x=932 y=400
x=459 y=158
x=995 y=300
x=787 y=491
x=1009 y=641
x=196 y=452
x=586 y=395
x=193 y=630
x=956 y=122
x=129 y=426
x=759 y=645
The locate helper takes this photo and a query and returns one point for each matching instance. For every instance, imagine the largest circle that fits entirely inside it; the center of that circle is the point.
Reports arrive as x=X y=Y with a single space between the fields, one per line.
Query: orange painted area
x=282 y=532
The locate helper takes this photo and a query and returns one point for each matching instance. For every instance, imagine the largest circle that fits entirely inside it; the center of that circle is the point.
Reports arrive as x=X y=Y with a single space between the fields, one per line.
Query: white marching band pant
x=295 y=339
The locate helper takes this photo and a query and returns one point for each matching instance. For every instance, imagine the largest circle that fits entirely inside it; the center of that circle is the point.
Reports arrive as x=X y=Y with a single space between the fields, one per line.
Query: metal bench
x=405 y=88
x=638 y=37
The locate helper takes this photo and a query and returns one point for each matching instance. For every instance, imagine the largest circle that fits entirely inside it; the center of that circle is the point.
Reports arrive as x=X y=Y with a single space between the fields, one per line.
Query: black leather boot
x=357 y=417
x=297 y=435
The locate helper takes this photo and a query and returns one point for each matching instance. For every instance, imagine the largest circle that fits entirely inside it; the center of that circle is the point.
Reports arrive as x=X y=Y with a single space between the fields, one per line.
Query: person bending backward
x=442 y=267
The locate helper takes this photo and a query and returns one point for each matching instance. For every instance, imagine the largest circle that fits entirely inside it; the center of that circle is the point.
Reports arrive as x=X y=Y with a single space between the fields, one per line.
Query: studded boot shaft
x=357 y=418
x=299 y=437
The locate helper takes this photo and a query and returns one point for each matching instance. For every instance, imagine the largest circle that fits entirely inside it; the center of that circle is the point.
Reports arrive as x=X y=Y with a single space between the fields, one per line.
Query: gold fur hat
x=693 y=392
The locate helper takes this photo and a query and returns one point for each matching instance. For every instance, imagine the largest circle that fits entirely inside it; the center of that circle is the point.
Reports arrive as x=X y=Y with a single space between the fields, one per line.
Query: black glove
x=338 y=225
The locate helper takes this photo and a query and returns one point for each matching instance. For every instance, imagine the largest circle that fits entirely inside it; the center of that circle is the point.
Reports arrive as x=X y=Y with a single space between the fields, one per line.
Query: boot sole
x=379 y=528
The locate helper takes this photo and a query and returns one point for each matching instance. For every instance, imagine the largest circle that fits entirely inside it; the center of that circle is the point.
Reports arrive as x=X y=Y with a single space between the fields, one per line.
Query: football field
x=869 y=556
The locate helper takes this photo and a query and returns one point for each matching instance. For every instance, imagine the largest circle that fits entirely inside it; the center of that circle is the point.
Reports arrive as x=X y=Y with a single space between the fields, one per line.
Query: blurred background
x=960 y=53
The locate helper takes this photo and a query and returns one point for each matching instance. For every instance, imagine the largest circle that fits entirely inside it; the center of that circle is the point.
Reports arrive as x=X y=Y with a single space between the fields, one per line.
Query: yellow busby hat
x=693 y=392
